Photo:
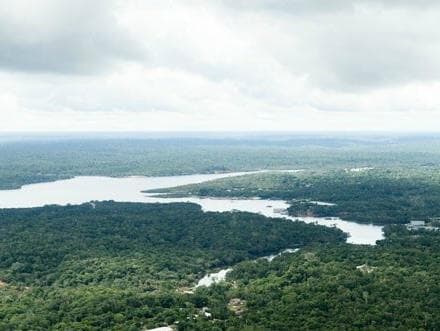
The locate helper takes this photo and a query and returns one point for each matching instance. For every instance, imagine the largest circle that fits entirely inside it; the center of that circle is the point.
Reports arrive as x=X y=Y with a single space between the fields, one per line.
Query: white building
x=417 y=223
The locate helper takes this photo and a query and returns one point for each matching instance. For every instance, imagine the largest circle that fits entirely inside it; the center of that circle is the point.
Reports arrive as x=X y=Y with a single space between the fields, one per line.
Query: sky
x=219 y=65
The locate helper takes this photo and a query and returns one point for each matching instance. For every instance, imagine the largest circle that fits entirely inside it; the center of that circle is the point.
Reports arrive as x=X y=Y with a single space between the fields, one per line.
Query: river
x=129 y=189
x=217 y=277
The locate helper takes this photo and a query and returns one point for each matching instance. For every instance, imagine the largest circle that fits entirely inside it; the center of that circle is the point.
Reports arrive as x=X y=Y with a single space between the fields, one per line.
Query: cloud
x=338 y=45
x=347 y=45
x=61 y=36
x=304 y=7
x=193 y=64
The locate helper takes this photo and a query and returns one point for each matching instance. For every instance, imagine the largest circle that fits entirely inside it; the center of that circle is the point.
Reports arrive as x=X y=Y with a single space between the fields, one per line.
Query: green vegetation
x=125 y=266
x=392 y=286
x=121 y=265
x=32 y=161
x=130 y=266
x=369 y=196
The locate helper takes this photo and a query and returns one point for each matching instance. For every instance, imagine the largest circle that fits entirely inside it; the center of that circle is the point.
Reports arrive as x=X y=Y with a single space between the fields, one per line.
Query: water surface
x=129 y=189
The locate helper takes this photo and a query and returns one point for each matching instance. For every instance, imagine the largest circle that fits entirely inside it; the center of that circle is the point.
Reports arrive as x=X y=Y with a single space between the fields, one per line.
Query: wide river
x=129 y=189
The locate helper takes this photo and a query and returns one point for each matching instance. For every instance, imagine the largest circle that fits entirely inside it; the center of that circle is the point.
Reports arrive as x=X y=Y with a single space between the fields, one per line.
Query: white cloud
x=219 y=65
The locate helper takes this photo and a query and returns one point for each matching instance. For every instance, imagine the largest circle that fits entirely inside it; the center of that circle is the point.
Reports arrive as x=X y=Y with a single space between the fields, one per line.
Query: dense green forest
x=132 y=266
x=121 y=265
x=125 y=266
x=392 y=286
x=381 y=196
x=39 y=160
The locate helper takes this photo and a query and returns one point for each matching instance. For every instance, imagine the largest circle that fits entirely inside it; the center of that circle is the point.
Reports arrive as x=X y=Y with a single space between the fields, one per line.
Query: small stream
x=217 y=277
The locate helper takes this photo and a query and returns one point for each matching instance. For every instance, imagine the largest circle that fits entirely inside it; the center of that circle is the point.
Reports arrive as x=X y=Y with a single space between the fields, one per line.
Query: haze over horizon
x=219 y=65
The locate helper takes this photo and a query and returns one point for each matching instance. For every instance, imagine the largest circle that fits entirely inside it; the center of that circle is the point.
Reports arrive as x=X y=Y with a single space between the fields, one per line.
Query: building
x=365 y=268
x=417 y=223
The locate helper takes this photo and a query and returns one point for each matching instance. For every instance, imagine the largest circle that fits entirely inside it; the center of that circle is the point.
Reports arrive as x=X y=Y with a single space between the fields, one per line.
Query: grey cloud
x=74 y=37
x=339 y=45
x=368 y=51
x=300 y=7
x=286 y=6
x=351 y=45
